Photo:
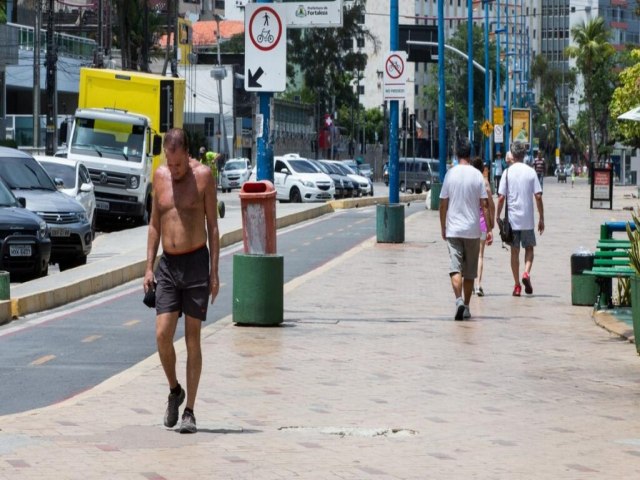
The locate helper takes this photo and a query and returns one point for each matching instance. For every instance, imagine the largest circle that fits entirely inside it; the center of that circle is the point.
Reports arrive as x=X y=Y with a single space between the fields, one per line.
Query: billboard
x=521 y=125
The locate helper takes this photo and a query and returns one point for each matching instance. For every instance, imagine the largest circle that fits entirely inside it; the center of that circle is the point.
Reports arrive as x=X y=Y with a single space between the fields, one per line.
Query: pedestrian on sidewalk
x=520 y=186
x=463 y=191
x=539 y=165
x=498 y=167
x=184 y=202
x=486 y=236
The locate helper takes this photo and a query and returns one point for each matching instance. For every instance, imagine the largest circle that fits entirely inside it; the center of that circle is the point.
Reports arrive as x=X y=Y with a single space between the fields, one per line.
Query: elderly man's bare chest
x=182 y=197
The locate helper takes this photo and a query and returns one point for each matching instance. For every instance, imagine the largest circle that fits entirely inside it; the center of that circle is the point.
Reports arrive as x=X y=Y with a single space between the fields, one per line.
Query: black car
x=25 y=245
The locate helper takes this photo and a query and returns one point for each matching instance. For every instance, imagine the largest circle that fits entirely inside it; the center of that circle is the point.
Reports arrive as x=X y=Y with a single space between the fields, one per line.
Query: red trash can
x=258 y=205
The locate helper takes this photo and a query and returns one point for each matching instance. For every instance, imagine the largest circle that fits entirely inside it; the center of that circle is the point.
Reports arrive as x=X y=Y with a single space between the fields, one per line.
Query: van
x=417 y=174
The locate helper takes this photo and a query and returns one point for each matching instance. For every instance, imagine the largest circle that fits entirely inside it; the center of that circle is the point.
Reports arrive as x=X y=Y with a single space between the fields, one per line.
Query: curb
x=612 y=325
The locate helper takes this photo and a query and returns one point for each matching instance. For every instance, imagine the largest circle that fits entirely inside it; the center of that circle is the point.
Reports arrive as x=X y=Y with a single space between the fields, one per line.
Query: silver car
x=72 y=178
x=234 y=173
x=71 y=235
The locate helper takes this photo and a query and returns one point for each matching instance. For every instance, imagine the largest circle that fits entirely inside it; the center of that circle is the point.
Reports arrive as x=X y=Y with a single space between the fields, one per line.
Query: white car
x=364 y=184
x=72 y=178
x=234 y=173
x=297 y=180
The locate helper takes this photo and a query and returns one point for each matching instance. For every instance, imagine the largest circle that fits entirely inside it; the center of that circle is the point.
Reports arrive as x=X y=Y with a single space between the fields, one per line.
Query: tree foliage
x=625 y=97
x=129 y=34
x=595 y=60
x=325 y=59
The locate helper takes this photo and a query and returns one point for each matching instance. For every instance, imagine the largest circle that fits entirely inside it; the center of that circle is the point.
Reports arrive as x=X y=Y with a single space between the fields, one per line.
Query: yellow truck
x=117 y=133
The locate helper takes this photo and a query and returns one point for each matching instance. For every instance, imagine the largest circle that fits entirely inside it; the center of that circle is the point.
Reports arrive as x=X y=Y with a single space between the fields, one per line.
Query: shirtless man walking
x=184 y=201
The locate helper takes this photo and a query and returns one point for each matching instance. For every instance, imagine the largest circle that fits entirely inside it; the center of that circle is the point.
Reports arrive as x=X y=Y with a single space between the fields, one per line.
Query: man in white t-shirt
x=519 y=186
x=463 y=194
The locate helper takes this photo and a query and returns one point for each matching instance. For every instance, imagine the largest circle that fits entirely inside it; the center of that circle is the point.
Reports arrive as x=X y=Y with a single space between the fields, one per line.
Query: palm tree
x=592 y=52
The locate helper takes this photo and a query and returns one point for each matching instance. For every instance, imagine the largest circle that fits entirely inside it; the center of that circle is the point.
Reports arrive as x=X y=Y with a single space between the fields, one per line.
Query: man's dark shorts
x=183 y=283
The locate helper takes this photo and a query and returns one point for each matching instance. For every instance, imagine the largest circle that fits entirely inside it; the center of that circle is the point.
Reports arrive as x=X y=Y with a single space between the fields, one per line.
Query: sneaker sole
x=460 y=313
x=189 y=429
x=527 y=285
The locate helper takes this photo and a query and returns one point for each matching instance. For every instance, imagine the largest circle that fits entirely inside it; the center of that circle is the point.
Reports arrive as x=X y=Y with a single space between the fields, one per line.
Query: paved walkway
x=371 y=378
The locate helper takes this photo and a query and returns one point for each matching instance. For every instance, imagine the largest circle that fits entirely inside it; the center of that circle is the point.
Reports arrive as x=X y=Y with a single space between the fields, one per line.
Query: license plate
x=102 y=205
x=20 y=250
x=233 y=184
x=60 y=232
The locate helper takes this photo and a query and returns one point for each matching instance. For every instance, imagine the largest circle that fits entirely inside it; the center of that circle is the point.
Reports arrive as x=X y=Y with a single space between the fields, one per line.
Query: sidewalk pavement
x=370 y=377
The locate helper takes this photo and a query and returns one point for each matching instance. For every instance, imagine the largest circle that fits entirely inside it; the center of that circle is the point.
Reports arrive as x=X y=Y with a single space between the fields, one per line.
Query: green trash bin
x=584 y=288
x=436 y=188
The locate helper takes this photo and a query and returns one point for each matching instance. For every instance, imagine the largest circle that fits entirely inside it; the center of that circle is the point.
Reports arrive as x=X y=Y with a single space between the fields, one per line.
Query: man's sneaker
x=459 y=309
x=517 y=290
x=188 y=424
x=173 y=406
x=467 y=312
x=480 y=292
x=526 y=281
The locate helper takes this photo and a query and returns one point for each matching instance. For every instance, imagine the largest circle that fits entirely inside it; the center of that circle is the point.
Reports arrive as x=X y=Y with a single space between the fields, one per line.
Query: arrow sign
x=253 y=78
x=265 y=46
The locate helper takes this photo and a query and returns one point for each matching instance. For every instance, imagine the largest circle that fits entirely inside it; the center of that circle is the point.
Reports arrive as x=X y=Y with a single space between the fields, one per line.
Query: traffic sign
x=265 y=46
x=486 y=128
x=395 y=76
x=498 y=134
x=312 y=14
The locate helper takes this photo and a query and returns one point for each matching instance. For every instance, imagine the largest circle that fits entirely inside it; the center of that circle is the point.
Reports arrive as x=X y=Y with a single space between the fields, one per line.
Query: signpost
x=265 y=45
x=395 y=76
x=602 y=188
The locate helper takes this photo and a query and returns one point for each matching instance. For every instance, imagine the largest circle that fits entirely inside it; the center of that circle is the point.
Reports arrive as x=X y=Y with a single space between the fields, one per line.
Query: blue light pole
x=442 y=119
x=470 y=95
x=264 y=155
x=507 y=102
x=499 y=31
x=487 y=91
x=394 y=185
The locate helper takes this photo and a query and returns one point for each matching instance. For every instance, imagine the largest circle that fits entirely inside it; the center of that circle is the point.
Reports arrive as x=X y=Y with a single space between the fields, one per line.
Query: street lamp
x=219 y=73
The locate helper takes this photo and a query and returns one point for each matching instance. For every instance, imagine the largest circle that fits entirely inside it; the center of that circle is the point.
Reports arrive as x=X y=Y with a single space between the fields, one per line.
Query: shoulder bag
x=506 y=233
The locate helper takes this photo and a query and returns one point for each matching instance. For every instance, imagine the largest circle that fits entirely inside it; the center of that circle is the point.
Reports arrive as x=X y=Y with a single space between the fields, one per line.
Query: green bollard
x=258 y=289
x=390 y=223
x=4 y=285
x=436 y=188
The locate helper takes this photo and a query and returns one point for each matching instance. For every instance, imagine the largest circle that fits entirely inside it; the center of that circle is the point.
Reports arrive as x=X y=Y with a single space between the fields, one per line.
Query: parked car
x=297 y=180
x=68 y=223
x=343 y=184
x=25 y=244
x=234 y=173
x=72 y=178
x=365 y=185
x=366 y=170
x=417 y=174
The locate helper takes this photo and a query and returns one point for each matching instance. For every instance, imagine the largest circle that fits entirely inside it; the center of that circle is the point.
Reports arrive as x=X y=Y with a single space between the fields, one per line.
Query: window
x=360 y=42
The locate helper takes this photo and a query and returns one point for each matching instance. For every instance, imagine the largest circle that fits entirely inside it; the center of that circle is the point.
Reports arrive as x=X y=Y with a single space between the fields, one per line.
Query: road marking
x=42 y=360
x=91 y=338
x=131 y=323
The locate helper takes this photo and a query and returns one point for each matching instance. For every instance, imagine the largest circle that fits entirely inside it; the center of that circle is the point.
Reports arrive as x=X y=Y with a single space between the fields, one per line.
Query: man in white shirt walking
x=463 y=194
x=519 y=186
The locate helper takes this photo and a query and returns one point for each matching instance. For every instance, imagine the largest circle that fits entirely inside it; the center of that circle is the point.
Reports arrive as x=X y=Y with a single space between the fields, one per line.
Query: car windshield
x=25 y=173
x=66 y=173
x=343 y=169
x=348 y=169
x=235 y=165
x=104 y=138
x=365 y=167
x=302 y=166
x=6 y=197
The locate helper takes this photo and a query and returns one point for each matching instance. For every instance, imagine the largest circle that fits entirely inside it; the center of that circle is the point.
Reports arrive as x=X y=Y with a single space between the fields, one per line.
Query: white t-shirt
x=464 y=187
x=523 y=185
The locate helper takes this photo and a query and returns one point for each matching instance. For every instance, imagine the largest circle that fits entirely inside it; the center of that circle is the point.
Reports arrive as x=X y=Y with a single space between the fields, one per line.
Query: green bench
x=611 y=260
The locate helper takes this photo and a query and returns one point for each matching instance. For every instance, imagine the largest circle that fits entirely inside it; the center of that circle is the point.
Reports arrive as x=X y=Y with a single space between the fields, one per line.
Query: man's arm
x=213 y=235
x=153 y=237
x=444 y=206
x=540 y=212
x=499 y=206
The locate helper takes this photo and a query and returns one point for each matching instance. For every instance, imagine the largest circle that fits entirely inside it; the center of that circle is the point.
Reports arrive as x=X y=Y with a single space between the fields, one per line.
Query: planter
x=635 y=309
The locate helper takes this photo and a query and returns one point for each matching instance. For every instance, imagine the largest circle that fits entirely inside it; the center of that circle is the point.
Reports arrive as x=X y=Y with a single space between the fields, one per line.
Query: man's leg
x=193 y=327
x=165 y=330
x=515 y=264
x=528 y=259
x=468 y=289
x=456 y=283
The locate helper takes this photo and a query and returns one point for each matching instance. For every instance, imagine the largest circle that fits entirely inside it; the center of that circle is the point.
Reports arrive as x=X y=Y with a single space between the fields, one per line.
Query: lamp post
x=219 y=73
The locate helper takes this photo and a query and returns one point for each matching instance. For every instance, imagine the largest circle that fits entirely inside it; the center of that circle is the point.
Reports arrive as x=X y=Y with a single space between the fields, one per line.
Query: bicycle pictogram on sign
x=265 y=28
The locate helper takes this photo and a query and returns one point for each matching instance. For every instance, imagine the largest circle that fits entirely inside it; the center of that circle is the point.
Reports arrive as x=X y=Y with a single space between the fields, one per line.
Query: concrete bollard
x=390 y=223
x=5 y=285
x=258 y=289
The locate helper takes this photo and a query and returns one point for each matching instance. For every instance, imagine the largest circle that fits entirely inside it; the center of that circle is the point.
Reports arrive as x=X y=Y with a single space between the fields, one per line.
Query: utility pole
x=98 y=60
x=219 y=74
x=145 y=37
x=36 y=74
x=52 y=91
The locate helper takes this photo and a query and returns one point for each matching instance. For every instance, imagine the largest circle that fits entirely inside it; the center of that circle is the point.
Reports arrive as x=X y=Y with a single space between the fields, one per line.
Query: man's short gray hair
x=519 y=150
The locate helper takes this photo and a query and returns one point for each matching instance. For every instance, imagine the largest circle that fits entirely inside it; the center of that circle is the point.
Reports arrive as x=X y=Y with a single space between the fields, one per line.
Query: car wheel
x=93 y=226
x=402 y=188
x=295 y=196
x=423 y=187
x=371 y=194
x=221 y=209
